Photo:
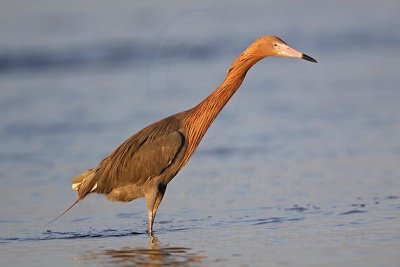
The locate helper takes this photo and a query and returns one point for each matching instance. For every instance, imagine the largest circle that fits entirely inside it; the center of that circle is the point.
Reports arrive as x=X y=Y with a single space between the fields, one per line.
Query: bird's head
x=270 y=45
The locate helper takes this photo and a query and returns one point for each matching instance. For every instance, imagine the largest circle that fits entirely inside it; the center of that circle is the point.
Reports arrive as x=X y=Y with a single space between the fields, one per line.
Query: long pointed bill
x=287 y=51
x=304 y=56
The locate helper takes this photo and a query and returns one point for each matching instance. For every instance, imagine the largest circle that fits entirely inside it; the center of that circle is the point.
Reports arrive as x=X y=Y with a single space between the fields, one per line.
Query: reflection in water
x=154 y=255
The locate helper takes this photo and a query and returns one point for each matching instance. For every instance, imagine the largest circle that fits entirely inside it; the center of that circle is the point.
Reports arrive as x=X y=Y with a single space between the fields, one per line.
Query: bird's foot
x=153 y=241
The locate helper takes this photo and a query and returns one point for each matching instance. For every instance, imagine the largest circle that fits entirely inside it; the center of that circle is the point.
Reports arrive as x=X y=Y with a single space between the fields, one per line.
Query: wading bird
x=145 y=163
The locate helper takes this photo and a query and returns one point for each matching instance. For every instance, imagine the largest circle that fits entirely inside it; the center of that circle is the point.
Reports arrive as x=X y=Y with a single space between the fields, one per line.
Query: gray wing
x=144 y=155
x=151 y=159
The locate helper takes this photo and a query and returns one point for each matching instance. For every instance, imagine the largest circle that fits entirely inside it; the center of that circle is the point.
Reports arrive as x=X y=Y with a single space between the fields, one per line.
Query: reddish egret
x=145 y=163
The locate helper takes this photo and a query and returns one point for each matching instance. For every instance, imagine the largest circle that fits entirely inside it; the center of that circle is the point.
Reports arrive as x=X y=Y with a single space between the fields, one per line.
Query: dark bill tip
x=304 y=56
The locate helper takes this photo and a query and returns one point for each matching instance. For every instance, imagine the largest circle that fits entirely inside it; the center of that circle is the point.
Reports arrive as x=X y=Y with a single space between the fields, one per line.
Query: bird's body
x=145 y=163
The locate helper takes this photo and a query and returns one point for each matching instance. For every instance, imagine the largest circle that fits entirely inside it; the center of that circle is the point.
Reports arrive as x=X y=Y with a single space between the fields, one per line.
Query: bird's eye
x=275 y=45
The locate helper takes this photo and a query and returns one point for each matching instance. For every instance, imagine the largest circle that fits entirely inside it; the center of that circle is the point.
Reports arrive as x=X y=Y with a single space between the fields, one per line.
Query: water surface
x=300 y=169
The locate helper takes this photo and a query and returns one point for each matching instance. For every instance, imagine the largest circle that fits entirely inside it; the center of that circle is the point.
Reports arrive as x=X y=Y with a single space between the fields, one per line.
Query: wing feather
x=143 y=156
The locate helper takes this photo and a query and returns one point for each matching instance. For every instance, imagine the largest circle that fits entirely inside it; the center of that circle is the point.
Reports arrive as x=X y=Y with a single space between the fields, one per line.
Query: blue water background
x=300 y=169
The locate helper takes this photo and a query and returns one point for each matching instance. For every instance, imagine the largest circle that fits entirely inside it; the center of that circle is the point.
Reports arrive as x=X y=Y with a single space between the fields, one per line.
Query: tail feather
x=80 y=183
x=77 y=180
x=85 y=183
x=70 y=207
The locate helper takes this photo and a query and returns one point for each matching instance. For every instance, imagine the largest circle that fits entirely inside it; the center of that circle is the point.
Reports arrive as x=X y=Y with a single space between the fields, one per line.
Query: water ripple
x=56 y=235
x=353 y=212
x=106 y=54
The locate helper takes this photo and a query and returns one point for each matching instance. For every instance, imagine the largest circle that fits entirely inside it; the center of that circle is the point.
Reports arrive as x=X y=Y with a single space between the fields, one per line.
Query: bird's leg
x=150 y=224
x=153 y=210
x=153 y=202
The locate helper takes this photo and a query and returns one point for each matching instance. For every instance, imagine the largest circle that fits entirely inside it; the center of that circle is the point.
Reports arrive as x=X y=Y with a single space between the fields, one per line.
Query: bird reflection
x=155 y=255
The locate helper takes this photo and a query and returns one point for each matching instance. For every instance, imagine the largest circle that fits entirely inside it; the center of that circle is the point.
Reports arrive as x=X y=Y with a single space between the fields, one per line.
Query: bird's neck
x=202 y=115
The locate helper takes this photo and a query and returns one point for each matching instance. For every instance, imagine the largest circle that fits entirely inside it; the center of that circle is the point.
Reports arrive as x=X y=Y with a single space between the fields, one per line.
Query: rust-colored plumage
x=144 y=164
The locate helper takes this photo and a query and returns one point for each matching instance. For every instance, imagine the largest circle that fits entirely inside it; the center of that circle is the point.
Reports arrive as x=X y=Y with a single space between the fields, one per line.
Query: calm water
x=300 y=169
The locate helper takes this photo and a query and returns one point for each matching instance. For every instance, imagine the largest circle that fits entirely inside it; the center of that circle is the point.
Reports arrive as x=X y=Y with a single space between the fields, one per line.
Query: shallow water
x=300 y=169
